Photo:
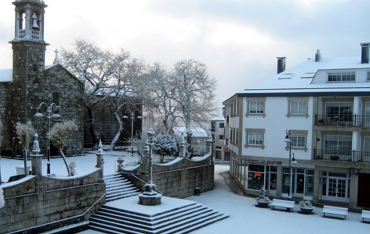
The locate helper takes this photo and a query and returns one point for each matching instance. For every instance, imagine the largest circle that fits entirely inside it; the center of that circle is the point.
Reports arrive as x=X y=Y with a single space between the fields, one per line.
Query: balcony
x=343 y=120
x=342 y=155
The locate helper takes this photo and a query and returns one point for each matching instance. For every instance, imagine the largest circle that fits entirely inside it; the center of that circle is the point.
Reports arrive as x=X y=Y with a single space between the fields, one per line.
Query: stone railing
x=40 y=203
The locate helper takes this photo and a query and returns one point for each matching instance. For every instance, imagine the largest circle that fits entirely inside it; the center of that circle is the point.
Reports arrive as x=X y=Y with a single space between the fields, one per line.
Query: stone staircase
x=184 y=219
x=119 y=187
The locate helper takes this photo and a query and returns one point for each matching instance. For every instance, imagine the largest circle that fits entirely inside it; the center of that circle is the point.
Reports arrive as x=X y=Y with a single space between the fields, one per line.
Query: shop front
x=275 y=178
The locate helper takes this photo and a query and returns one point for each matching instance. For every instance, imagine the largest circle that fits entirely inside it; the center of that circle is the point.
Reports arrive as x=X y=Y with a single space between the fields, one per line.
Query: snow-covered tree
x=185 y=93
x=108 y=75
x=194 y=91
x=165 y=145
x=59 y=135
x=25 y=133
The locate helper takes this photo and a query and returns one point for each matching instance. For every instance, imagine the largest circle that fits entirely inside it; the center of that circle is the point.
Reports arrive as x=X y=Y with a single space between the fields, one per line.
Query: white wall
x=275 y=124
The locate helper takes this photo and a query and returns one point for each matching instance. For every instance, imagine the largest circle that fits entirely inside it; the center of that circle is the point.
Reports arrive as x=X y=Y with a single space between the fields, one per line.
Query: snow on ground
x=245 y=217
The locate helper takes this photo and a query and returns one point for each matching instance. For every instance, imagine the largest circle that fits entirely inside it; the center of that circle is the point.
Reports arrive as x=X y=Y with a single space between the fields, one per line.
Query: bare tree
x=162 y=106
x=127 y=91
x=99 y=69
x=194 y=91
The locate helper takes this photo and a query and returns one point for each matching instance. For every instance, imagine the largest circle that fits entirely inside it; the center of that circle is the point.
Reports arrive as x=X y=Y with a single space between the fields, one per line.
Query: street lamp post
x=49 y=109
x=132 y=117
x=291 y=160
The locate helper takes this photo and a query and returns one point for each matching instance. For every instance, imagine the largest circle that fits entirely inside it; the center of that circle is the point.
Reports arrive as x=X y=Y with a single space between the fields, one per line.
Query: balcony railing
x=342 y=155
x=343 y=120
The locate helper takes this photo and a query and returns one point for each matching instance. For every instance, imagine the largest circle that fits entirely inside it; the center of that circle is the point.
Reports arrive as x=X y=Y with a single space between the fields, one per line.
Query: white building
x=198 y=138
x=325 y=105
x=217 y=128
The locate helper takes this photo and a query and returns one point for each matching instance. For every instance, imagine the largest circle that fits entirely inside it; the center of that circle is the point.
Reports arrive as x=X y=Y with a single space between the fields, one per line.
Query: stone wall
x=178 y=178
x=37 y=204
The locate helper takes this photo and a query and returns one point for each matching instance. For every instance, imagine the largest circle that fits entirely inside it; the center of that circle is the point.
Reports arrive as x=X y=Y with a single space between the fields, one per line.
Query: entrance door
x=363 y=195
x=335 y=188
x=298 y=182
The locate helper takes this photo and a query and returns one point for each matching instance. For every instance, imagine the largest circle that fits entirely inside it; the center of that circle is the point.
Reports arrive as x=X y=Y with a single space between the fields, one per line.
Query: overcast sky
x=238 y=40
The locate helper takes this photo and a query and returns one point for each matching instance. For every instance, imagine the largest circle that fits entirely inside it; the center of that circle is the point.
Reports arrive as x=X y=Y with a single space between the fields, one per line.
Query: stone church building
x=31 y=85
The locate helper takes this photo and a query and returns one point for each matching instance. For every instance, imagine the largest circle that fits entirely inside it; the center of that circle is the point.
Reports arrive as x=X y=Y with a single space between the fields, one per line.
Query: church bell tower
x=28 y=56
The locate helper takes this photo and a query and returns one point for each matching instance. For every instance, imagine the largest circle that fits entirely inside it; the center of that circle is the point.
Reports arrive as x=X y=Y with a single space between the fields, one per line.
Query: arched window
x=22 y=20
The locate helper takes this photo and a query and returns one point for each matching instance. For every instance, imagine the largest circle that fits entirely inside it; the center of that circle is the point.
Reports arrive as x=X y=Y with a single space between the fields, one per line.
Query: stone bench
x=365 y=215
x=289 y=205
x=336 y=211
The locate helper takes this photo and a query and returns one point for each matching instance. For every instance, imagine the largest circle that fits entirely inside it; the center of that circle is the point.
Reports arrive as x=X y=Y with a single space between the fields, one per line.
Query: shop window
x=256 y=177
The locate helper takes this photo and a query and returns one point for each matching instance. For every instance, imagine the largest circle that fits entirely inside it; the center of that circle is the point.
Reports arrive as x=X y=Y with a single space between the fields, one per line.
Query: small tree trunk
x=118 y=134
x=25 y=161
x=65 y=162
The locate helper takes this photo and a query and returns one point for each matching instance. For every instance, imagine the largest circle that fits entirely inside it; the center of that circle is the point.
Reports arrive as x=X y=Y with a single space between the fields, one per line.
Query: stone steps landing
x=172 y=216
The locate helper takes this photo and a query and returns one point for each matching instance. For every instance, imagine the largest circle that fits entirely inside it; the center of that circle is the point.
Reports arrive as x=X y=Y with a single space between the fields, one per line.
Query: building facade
x=305 y=132
x=217 y=126
x=198 y=138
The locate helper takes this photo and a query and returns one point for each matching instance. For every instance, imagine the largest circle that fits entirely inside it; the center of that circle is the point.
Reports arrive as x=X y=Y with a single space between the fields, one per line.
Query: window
x=255 y=138
x=256 y=175
x=255 y=107
x=56 y=98
x=339 y=111
x=298 y=141
x=342 y=143
x=221 y=125
x=298 y=108
x=221 y=137
x=342 y=77
x=368 y=76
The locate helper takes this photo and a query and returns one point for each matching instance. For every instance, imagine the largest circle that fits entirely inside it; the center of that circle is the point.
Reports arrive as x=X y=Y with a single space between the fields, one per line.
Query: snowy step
x=157 y=222
x=68 y=229
x=118 y=187
x=120 y=196
x=123 y=187
x=188 y=218
x=201 y=224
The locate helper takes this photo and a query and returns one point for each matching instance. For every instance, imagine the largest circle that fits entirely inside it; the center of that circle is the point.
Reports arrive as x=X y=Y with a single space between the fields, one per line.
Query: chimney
x=280 y=64
x=365 y=52
x=318 y=56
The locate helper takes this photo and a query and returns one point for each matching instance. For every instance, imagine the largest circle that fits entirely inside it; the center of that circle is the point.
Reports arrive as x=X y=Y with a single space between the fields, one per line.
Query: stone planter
x=263 y=204
x=307 y=210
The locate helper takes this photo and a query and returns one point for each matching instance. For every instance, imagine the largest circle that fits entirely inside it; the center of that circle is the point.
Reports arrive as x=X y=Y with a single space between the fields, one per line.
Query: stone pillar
x=209 y=147
x=36 y=161
x=182 y=150
x=150 y=197
x=100 y=160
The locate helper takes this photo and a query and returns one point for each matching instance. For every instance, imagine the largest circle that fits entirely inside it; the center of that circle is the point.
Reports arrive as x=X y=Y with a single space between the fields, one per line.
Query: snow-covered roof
x=6 y=75
x=219 y=118
x=301 y=78
x=197 y=132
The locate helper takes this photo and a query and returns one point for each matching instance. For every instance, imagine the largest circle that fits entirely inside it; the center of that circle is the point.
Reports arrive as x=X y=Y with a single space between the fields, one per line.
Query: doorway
x=335 y=187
